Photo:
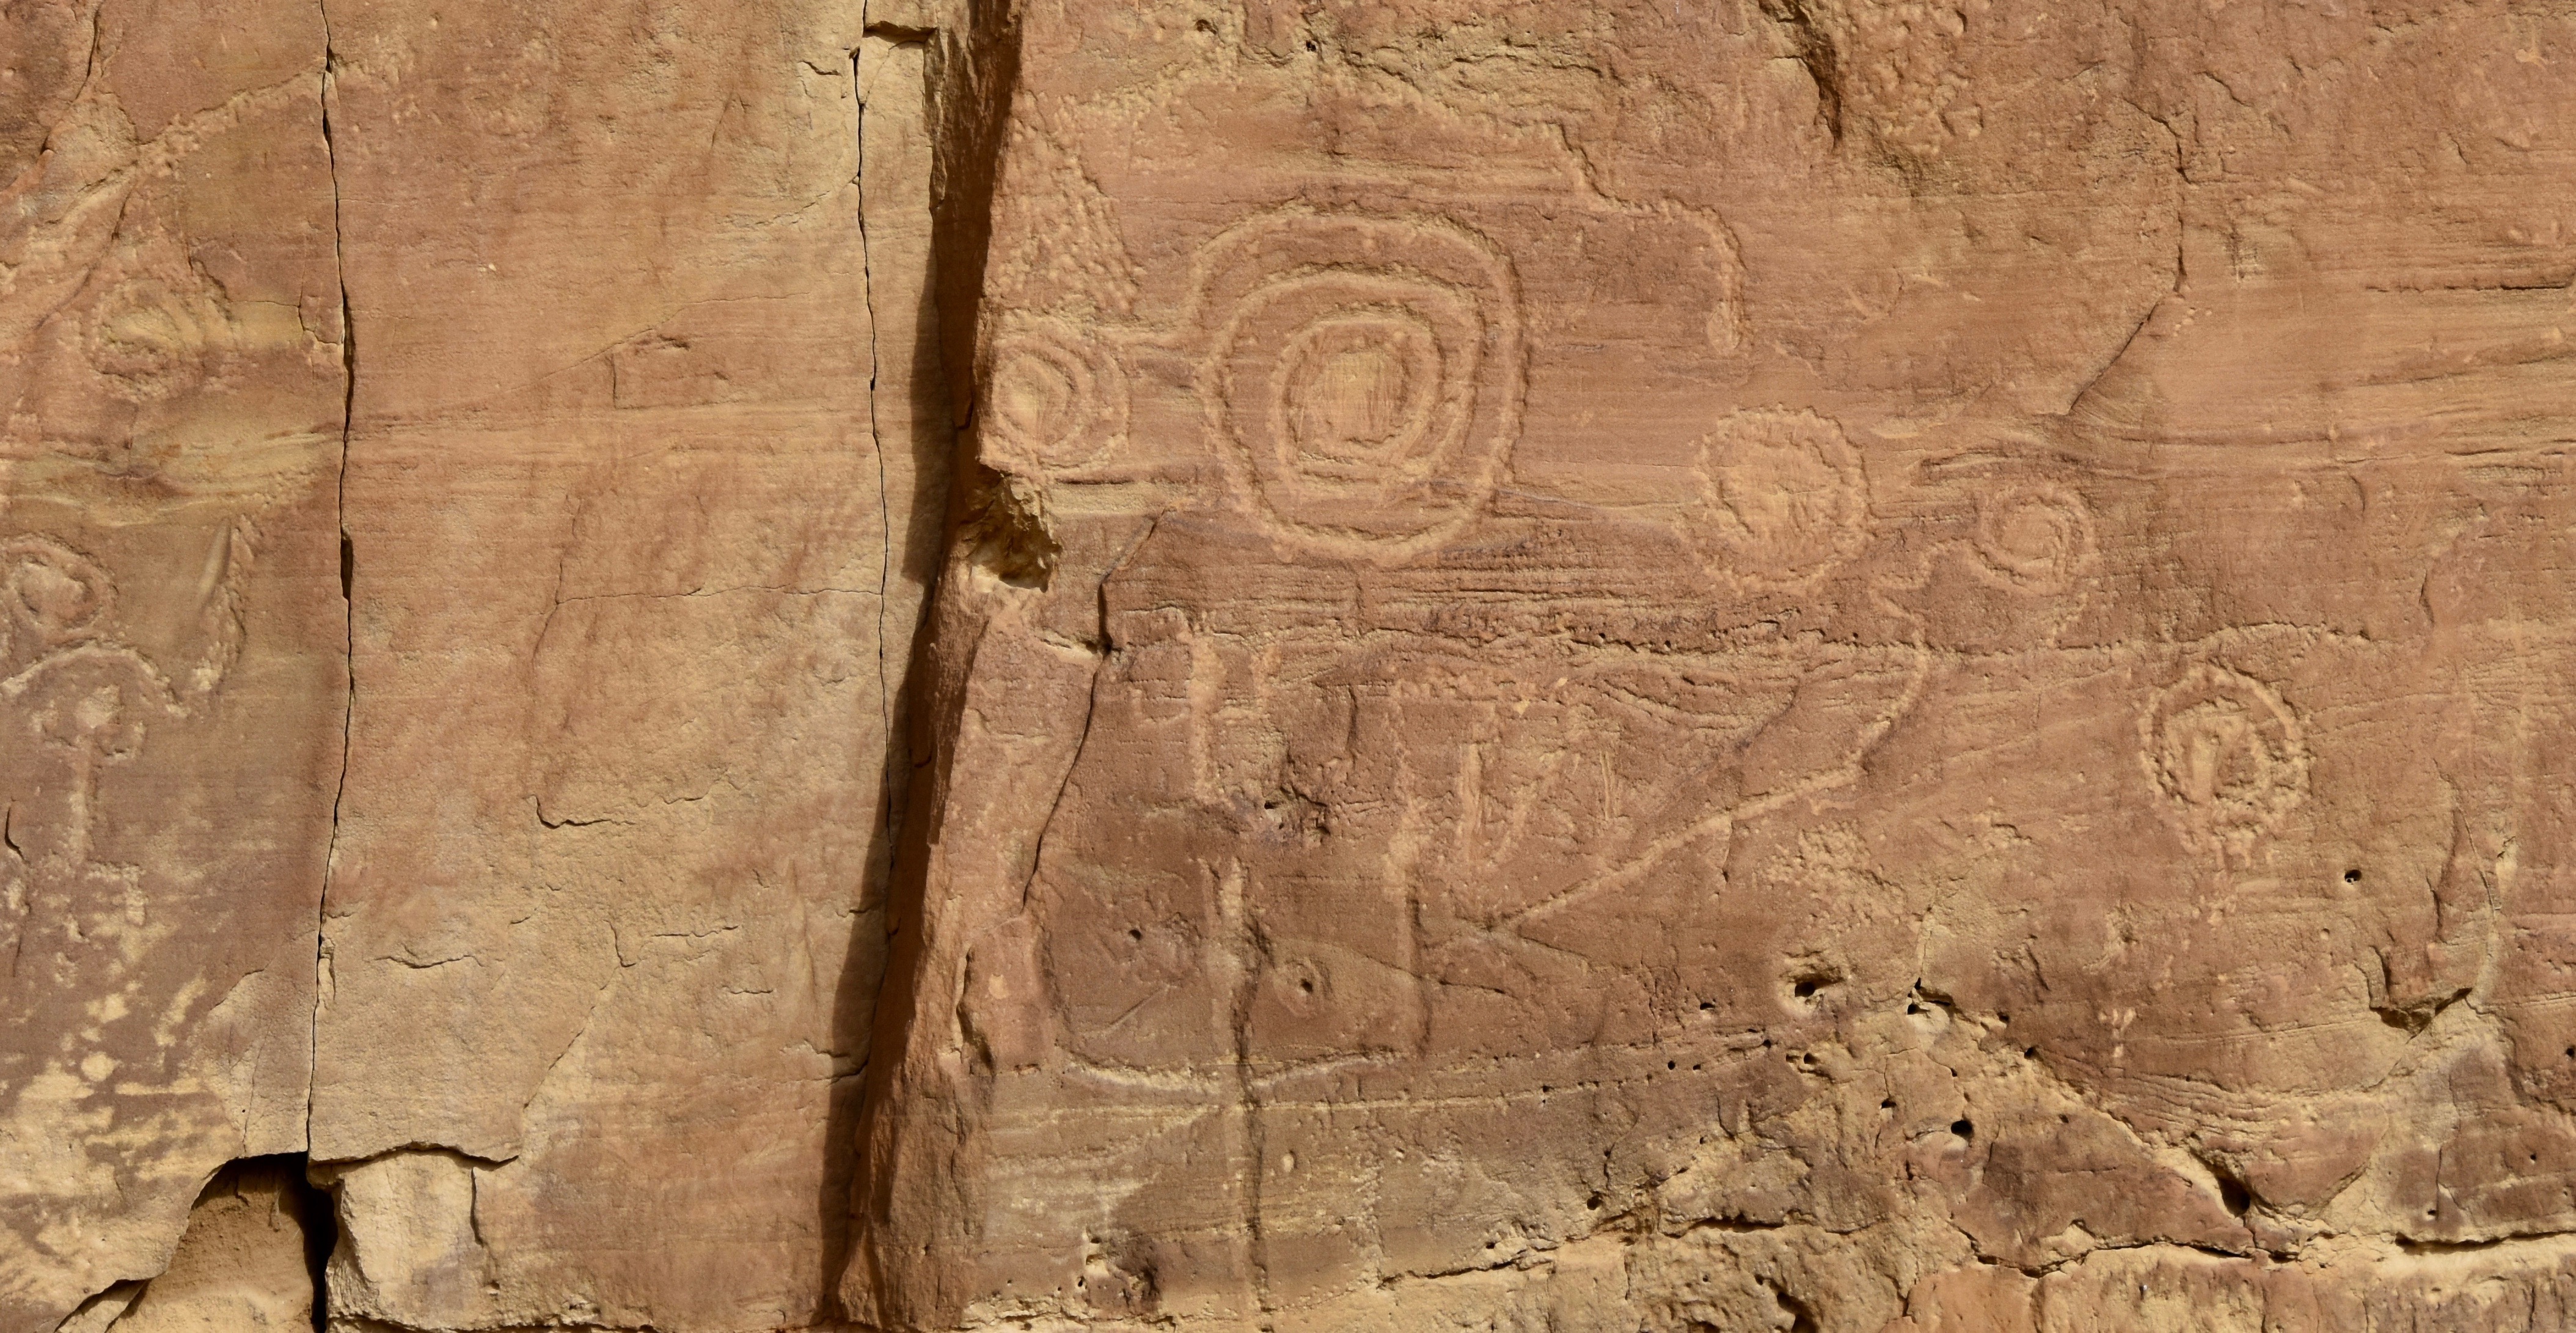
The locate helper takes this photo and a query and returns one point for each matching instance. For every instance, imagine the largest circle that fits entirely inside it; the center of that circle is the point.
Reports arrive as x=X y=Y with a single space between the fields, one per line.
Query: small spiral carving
x=1053 y=400
x=2036 y=539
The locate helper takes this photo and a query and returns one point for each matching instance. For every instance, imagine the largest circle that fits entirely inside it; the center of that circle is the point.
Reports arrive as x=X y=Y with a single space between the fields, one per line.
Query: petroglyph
x=1854 y=665
x=1727 y=703
x=1054 y=399
x=2035 y=538
x=1780 y=498
x=2227 y=755
x=1363 y=374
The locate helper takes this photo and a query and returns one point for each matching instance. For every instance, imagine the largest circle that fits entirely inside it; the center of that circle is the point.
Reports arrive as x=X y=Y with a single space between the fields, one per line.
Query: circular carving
x=2227 y=755
x=1363 y=376
x=1355 y=395
x=1052 y=402
x=1779 y=500
x=2036 y=538
x=52 y=590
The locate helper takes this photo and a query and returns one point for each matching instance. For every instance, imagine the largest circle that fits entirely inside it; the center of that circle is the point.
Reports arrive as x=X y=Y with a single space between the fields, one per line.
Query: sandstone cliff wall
x=1287 y=664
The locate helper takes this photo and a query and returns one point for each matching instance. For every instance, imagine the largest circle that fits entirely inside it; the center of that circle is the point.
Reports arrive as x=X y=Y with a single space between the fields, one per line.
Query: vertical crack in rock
x=971 y=69
x=349 y=645
x=26 y=904
x=876 y=378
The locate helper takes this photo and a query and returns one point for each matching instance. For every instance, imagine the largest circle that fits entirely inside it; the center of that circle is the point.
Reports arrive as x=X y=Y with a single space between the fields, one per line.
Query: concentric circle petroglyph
x=1779 y=498
x=51 y=591
x=2035 y=538
x=1053 y=401
x=1363 y=375
x=2227 y=754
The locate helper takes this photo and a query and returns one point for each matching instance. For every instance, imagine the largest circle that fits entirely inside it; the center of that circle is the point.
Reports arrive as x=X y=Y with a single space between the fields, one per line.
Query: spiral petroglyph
x=2035 y=538
x=1054 y=400
x=53 y=594
x=1363 y=375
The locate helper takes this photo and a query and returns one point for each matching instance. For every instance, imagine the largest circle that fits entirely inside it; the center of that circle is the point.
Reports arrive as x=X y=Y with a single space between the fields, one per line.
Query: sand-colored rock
x=172 y=636
x=1287 y=665
x=637 y=563
x=630 y=593
x=246 y=1262
x=1744 y=666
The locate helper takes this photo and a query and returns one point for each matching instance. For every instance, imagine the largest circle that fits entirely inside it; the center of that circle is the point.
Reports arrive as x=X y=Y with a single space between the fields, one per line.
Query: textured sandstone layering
x=1613 y=666
x=1820 y=664
x=635 y=571
x=545 y=334
x=172 y=668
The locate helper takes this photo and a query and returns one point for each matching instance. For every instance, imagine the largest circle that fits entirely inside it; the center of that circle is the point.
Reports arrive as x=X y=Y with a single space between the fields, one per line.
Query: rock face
x=1287 y=664
x=1836 y=665
x=634 y=574
x=173 y=365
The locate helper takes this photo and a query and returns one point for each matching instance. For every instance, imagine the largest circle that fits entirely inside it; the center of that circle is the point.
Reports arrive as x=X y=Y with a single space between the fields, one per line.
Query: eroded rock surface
x=1287 y=664
x=607 y=602
x=172 y=660
x=1807 y=665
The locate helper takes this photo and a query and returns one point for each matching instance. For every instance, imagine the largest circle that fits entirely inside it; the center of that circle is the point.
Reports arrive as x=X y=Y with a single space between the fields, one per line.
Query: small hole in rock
x=1306 y=985
x=1887 y=1104
x=1963 y=1129
x=2352 y=876
x=1593 y=1203
x=1672 y=1064
x=1136 y=934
